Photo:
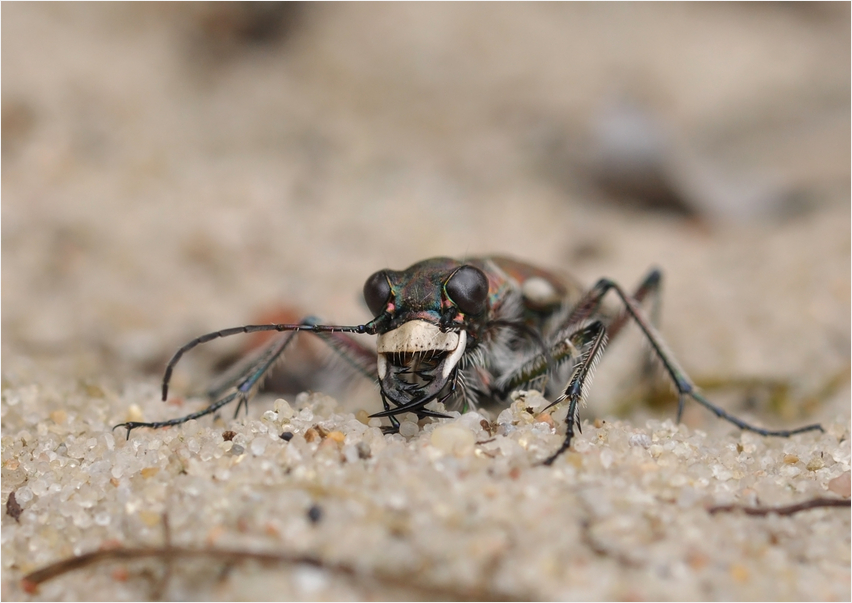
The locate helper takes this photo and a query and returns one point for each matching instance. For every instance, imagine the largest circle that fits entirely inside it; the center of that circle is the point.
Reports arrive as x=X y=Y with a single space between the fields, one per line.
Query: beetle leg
x=685 y=388
x=358 y=356
x=539 y=364
x=576 y=321
x=595 y=336
x=310 y=325
x=563 y=348
x=649 y=287
x=585 y=343
x=251 y=372
x=131 y=425
x=242 y=386
x=244 y=383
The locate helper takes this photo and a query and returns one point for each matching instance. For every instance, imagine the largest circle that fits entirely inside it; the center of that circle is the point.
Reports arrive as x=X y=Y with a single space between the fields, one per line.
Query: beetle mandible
x=461 y=332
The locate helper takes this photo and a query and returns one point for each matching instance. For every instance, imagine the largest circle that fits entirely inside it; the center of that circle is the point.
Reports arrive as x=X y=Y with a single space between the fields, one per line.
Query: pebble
x=453 y=439
x=408 y=429
x=258 y=445
x=283 y=409
x=841 y=484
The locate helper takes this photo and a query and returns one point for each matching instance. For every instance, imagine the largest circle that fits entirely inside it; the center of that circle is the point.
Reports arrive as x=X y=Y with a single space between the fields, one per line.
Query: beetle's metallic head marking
x=426 y=317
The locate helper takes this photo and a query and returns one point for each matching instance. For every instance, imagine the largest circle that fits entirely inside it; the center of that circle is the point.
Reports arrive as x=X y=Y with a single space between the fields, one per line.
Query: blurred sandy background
x=172 y=169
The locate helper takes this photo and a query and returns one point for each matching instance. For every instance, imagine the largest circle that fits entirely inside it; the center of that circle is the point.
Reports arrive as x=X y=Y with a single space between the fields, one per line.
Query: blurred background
x=172 y=169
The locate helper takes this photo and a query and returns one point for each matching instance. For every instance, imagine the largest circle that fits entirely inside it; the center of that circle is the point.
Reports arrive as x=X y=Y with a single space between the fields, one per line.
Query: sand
x=169 y=171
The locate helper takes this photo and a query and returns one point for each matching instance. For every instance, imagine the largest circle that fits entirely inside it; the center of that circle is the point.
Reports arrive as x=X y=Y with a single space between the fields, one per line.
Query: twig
x=787 y=510
x=168 y=553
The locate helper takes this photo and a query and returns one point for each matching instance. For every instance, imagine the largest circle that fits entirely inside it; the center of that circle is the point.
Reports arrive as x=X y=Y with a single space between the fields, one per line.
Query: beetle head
x=426 y=318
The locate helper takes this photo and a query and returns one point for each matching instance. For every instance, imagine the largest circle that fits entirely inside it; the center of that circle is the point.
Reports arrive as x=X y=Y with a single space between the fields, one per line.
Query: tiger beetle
x=465 y=332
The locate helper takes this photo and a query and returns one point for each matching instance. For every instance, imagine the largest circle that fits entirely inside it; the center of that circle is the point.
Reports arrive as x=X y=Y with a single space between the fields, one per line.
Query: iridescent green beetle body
x=460 y=332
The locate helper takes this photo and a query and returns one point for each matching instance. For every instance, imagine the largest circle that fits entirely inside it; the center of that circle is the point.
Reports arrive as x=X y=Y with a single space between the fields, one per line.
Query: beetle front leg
x=585 y=343
x=595 y=336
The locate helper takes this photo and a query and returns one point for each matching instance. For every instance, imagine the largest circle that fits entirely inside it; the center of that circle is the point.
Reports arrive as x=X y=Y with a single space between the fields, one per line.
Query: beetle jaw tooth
x=453 y=359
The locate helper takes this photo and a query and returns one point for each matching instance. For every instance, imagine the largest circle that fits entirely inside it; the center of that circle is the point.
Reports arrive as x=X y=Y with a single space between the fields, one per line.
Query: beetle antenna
x=308 y=324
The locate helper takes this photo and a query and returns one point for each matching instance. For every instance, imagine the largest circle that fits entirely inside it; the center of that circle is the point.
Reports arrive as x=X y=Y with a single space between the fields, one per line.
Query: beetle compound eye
x=377 y=291
x=468 y=289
